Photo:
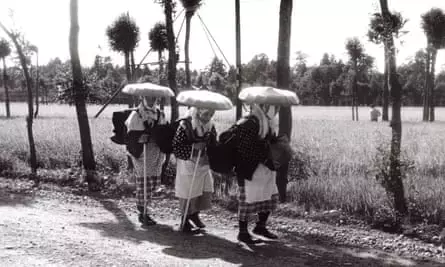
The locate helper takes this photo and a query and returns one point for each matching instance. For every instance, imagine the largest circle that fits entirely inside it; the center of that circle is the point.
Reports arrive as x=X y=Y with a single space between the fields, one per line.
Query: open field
x=338 y=151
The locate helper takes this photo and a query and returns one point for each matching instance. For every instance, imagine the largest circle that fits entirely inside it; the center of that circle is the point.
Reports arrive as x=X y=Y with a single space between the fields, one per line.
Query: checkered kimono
x=154 y=160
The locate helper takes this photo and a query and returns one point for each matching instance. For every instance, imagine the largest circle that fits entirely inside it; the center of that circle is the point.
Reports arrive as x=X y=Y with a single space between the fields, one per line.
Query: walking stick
x=190 y=190
x=145 y=184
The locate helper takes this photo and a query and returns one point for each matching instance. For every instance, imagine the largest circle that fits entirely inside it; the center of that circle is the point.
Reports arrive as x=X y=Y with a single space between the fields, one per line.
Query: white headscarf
x=200 y=127
x=135 y=122
x=267 y=122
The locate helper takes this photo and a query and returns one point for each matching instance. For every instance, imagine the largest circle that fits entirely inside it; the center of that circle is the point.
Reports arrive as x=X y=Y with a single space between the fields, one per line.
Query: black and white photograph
x=222 y=133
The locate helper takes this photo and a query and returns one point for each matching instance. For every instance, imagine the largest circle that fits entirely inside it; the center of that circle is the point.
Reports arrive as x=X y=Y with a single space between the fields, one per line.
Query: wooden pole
x=109 y=101
x=238 y=59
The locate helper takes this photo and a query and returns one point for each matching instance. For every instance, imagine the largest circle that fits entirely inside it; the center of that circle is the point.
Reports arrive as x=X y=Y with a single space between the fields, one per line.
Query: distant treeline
x=328 y=83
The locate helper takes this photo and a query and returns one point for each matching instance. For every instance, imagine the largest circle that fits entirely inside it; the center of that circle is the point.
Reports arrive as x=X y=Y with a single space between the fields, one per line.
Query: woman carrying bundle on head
x=140 y=124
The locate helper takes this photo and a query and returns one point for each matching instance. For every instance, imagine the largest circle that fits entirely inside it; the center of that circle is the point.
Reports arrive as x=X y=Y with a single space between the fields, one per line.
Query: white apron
x=184 y=175
x=262 y=186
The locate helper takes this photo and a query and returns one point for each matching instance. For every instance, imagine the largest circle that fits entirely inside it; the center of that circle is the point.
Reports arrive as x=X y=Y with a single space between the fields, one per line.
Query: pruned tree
x=14 y=36
x=394 y=184
x=123 y=37
x=158 y=43
x=169 y=6
x=34 y=49
x=356 y=52
x=190 y=7
x=378 y=35
x=433 y=24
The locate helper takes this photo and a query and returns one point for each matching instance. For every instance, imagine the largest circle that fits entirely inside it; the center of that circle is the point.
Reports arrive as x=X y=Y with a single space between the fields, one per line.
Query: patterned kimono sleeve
x=182 y=148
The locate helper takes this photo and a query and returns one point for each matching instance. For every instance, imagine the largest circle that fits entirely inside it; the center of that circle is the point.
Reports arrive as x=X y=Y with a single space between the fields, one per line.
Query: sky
x=318 y=26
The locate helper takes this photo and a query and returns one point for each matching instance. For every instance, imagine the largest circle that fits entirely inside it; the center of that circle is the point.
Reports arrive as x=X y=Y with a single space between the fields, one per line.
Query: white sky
x=318 y=26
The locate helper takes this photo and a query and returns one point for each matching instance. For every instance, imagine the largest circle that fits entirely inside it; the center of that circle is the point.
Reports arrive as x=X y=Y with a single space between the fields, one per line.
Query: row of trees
x=328 y=83
x=332 y=82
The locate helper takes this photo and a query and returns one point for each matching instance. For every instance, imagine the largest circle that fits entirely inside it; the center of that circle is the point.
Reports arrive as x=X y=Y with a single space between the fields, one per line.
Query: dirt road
x=52 y=227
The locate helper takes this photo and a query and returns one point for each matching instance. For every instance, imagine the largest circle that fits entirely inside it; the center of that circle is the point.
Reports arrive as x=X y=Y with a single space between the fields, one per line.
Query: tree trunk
x=29 y=118
x=188 y=21
x=396 y=188
x=133 y=76
x=161 y=65
x=352 y=103
x=385 y=106
x=239 y=79
x=89 y=163
x=133 y=66
x=36 y=113
x=356 y=89
x=356 y=106
x=283 y=82
x=5 y=85
x=127 y=66
x=161 y=77
x=168 y=8
x=130 y=99
x=432 y=84
x=427 y=85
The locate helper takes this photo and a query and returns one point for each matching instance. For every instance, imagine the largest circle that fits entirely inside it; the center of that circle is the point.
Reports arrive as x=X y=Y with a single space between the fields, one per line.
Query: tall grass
x=338 y=151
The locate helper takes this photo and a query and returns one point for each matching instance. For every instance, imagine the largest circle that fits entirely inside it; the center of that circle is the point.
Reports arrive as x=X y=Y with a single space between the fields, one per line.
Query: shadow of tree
x=12 y=117
x=118 y=213
x=356 y=251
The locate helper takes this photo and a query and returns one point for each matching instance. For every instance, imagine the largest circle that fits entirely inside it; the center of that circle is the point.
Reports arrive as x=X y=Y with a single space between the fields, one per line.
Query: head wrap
x=267 y=122
x=200 y=127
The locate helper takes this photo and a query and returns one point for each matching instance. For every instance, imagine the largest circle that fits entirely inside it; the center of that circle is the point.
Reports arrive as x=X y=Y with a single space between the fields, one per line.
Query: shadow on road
x=294 y=249
x=221 y=244
x=9 y=197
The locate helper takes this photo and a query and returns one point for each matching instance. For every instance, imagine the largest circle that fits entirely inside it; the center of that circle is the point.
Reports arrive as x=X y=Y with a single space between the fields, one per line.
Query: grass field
x=340 y=153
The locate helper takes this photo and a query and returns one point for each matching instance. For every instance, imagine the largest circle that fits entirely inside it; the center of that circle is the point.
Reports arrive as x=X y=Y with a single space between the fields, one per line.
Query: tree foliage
x=123 y=34
x=158 y=37
x=5 y=48
x=378 y=33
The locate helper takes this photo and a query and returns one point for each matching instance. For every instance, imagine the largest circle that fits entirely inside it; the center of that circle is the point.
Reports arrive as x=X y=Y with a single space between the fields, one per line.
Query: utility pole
x=238 y=59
